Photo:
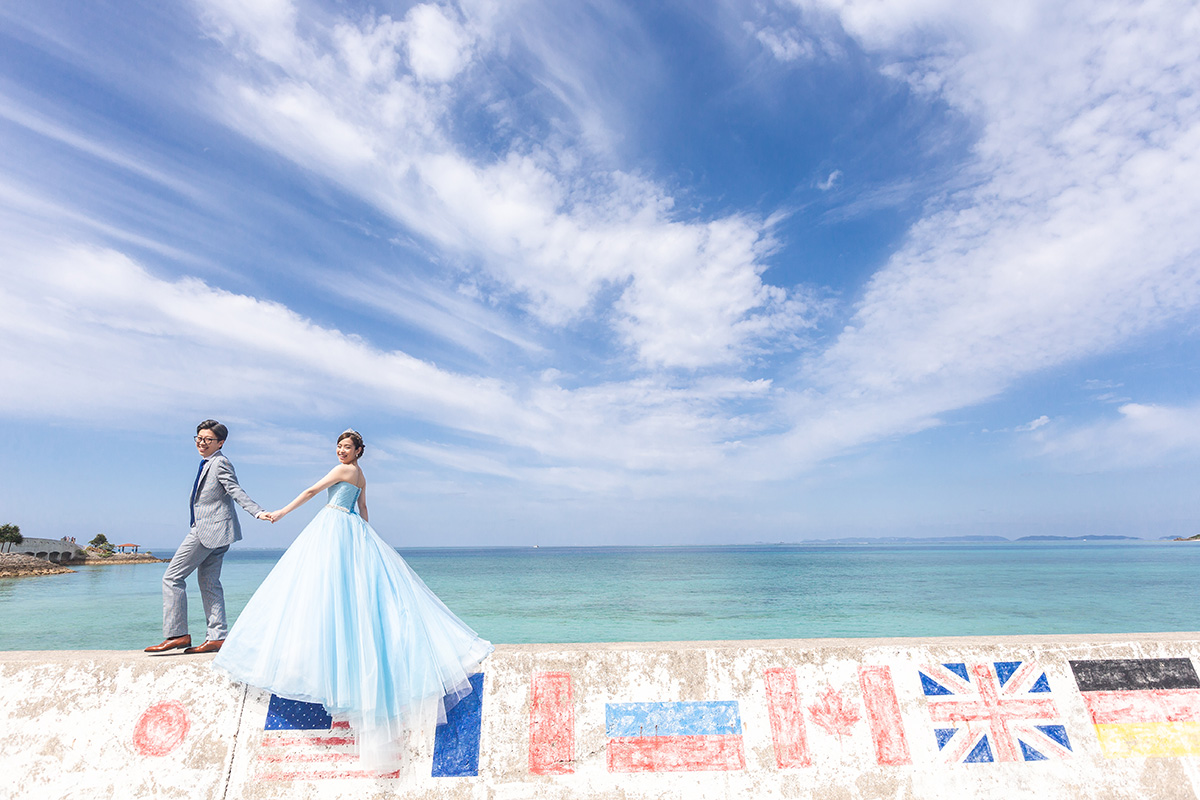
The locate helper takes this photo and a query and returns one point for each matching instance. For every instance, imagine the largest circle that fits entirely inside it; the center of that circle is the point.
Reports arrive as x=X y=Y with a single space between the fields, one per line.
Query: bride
x=343 y=621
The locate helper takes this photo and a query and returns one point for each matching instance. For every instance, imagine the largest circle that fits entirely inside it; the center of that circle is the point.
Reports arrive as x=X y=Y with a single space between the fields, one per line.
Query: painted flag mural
x=1142 y=706
x=997 y=711
x=837 y=713
x=551 y=724
x=883 y=715
x=674 y=737
x=789 y=734
x=301 y=742
x=456 y=741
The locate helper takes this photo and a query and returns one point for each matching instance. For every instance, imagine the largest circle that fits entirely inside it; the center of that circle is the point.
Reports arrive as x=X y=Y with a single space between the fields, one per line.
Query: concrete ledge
x=980 y=717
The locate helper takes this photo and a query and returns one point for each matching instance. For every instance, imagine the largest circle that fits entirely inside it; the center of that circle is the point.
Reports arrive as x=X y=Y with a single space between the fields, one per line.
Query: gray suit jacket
x=216 y=518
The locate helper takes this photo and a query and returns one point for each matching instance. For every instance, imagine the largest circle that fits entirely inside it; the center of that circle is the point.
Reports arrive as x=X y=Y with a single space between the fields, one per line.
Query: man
x=214 y=527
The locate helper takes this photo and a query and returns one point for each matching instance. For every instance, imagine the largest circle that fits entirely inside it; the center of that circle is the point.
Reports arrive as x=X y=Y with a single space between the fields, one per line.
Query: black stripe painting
x=1135 y=674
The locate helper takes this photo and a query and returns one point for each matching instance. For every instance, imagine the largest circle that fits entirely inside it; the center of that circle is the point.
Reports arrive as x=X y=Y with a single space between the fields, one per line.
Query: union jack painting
x=997 y=711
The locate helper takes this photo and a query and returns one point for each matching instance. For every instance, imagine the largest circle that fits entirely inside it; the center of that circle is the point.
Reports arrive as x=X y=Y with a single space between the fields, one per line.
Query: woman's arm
x=362 y=504
x=341 y=472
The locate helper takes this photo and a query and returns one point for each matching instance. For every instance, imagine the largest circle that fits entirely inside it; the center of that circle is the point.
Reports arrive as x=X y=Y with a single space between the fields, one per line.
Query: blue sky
x=605 y=273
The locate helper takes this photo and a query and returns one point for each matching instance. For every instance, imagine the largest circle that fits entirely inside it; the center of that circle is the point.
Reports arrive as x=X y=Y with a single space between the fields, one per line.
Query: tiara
x=351 y=430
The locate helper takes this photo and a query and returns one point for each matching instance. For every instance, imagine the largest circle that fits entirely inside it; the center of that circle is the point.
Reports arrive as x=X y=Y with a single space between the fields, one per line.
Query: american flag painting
x=301 y=742
x=997 y=711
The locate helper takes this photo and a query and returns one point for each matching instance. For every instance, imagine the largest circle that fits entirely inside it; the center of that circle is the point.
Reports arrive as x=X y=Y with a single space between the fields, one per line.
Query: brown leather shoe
x=171 y=644
x=207 y=647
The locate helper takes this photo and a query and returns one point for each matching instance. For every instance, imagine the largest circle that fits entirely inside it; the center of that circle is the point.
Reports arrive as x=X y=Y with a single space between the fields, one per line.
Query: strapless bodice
x=344 y=496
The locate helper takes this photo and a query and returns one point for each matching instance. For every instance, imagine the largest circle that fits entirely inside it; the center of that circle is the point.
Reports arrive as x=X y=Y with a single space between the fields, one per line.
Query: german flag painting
x=1142 y=706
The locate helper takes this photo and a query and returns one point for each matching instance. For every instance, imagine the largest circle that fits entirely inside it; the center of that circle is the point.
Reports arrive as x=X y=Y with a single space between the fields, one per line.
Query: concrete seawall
x=53 y=550
x=994 y=717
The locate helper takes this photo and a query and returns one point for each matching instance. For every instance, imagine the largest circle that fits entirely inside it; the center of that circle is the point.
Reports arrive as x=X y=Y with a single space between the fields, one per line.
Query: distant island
x=1073 y=538
x=905 y=540
x=962 y=539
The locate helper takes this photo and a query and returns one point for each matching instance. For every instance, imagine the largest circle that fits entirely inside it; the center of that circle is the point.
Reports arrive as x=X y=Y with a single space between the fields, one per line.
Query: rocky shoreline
x=91 y=556
x=16 y=565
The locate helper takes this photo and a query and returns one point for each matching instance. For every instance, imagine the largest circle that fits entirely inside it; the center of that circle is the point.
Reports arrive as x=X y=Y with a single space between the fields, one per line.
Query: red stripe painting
x=551 y=724
x=301 y=742
x=883 y=716
x=675 y=753
x=1155 y=705
x=787 y=719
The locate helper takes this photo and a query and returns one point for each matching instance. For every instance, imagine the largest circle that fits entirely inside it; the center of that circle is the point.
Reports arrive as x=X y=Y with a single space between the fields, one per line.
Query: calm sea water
x=517 y=595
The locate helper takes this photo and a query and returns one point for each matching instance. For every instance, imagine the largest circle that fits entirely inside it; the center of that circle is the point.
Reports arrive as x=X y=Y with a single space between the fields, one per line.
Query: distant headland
x=966 y=539
x=37 y=556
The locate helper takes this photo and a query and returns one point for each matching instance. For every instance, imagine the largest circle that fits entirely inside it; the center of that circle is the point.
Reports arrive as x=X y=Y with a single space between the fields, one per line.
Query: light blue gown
x=343 y=621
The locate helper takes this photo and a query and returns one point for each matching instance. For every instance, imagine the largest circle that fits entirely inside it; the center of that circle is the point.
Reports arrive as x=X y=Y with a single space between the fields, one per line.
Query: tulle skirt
x=343 y=621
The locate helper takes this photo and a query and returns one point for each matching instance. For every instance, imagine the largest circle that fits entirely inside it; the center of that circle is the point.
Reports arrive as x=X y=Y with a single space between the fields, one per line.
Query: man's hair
x=219 y=430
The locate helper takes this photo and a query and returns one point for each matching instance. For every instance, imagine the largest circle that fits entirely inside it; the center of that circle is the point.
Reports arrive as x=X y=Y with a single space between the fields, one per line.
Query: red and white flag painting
x=837 y=713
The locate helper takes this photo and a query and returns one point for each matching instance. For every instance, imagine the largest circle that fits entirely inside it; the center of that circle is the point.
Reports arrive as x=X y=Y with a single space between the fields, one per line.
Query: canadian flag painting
x=837 y=713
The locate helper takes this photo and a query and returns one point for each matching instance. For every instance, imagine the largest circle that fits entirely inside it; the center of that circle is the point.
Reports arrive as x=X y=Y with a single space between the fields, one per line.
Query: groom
x=214 y=528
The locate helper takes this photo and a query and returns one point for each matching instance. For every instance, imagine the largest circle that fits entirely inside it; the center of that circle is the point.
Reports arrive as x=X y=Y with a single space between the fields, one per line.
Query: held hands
x=265 y=515
x=273 y=516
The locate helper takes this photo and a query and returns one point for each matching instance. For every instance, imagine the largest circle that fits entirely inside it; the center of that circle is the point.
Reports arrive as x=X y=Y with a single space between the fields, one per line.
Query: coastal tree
x=10 y=535
x=101 y=543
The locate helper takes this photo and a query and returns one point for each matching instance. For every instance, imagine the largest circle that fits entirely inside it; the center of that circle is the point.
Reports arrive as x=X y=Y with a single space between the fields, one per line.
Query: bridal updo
x=355 y=437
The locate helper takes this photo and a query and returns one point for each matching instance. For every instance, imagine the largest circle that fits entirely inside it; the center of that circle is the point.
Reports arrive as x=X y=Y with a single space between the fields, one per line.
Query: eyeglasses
x=206 y=440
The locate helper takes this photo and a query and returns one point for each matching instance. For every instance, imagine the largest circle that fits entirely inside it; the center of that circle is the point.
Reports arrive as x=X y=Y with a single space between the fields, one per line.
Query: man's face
x=207 y=443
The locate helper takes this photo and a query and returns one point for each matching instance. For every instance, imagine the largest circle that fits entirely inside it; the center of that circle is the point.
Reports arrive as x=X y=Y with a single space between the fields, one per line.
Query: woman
x=343 y=621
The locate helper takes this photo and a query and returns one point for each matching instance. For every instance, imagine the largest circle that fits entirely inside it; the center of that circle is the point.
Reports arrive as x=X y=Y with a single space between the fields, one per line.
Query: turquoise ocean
x=607 y=594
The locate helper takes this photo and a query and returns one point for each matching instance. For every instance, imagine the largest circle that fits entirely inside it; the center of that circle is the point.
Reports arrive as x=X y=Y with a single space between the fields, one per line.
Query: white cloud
x=830 y=181
x=1143 y=435
x=784 y=46
x=546 y=222
x=1077 y=233
x=87 y=332
x=14 y=111
x=141 y=343
x=268 y=27
x=438 y=47
x=454 y=316
x=906 y=25
x=1033 y=425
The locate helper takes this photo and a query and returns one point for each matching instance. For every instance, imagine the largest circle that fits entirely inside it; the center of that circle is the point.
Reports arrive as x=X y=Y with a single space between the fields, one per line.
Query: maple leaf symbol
x=833 y=713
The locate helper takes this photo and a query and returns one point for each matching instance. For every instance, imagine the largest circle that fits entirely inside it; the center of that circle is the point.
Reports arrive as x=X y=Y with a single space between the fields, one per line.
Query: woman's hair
x=355 y=437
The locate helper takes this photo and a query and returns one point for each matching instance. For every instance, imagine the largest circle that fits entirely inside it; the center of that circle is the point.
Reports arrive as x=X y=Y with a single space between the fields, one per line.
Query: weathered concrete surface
x=1099 y=717
x=112 y=724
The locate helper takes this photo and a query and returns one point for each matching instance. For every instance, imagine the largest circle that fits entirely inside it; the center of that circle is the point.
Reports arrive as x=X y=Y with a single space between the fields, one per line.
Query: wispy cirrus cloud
x=1071 y=238
x=549 y=224
x=1143 y=434
x=89 y=333
x=1068 y=232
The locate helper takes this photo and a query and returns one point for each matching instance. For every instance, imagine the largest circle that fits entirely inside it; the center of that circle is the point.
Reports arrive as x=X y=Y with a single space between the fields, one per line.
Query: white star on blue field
x=605 y=272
